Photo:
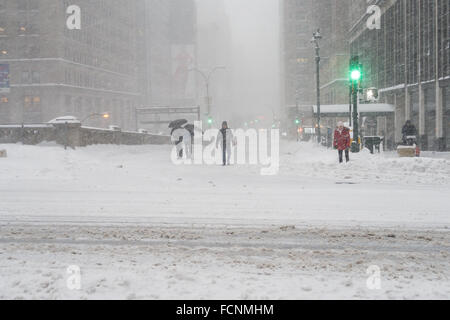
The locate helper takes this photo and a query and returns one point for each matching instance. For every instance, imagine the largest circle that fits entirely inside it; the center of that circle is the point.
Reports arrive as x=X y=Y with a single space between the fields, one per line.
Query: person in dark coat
x=408 y=130
x=225 y=139
x=342 y=142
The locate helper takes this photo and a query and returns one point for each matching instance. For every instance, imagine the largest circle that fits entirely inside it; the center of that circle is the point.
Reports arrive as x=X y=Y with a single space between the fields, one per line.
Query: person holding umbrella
x=178 y=134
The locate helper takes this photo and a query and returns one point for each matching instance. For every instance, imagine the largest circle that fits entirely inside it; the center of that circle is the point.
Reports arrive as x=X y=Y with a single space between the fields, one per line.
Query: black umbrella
x=190 y=128
x=177 y=123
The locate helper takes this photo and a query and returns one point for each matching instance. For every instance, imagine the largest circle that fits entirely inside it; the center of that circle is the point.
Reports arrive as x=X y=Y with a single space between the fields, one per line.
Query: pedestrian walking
x=342 y=141
x=225 y=139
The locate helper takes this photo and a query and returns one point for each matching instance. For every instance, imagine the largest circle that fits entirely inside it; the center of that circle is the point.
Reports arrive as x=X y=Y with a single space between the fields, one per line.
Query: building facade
x=55 y=71
x=297 y=54
x=300 y=18
x=408 y=60
x=334 y=21
x=120 y=58
x=214 y=50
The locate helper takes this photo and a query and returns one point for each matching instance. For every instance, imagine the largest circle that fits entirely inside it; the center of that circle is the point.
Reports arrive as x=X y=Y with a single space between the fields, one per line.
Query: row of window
x=96 y=59
x=22 y=5
x=28 y=101
x=25 y=49
x=89 y=79
x=22 y=28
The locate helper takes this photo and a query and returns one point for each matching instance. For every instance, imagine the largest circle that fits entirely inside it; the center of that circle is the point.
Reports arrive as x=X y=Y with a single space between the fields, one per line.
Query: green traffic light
x=297 y=121
x=355 y=75
x=210 y=121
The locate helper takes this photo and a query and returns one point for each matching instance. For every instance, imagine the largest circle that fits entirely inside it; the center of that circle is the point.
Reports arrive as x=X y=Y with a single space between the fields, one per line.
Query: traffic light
x=210 y=120
x=297 y=121
x=356 y=69
x=356 y=75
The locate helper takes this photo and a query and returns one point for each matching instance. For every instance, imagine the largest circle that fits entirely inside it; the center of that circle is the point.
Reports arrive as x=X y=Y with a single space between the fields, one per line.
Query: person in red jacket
x=342 y=141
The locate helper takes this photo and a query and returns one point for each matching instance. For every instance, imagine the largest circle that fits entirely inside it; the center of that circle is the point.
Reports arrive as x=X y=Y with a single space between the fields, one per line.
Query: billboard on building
x=4 y=78
x=183 y=77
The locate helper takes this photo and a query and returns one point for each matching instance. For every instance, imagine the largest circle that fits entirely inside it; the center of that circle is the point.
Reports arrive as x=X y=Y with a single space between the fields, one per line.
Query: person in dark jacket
x=225 y=139
x=178 y=142
x=408 y=130
x=342 y=142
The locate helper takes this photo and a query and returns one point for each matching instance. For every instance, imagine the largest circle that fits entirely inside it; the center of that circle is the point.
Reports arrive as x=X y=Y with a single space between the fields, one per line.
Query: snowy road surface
x=140 y=227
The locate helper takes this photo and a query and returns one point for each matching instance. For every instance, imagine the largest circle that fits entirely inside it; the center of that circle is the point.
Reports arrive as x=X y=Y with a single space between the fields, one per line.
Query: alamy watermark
x=374 y=19
x=74 y=279
x=73 y=21
x=243 y=147
x=374 y=280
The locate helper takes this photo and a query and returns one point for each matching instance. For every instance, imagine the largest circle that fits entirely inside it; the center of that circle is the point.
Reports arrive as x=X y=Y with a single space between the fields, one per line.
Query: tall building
x=408 y=60
x=155 y=64
x=297 y=53
x=333 y=18
x=214 y=49
x=299 y=20
x=127 y=54
x=183 y=40
x=55 y=71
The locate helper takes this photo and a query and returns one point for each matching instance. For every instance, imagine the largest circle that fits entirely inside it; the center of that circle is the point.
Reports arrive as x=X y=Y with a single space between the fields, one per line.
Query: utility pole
x=207 y=78
x=315 y=39
x=355 y=79
x=350 y=102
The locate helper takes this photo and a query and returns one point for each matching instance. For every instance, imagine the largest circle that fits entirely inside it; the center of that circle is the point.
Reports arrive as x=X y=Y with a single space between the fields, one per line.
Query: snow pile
x=64 y=120
x=310 y=160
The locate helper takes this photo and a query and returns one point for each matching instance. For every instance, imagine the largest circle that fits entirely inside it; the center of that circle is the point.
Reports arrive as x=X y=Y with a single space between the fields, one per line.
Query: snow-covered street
x=140 y=227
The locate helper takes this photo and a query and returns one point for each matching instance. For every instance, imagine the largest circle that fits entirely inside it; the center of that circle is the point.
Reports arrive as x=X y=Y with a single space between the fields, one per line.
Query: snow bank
x=310 y=160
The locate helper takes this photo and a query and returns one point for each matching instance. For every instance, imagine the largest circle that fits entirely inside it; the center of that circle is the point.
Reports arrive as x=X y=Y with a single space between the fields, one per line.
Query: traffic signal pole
x=356 y=74
x=355 y=144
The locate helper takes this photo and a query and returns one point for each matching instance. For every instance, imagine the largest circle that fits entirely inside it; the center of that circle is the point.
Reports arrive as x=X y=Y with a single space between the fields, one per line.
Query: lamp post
x=315 y=40
x=207 y=78
x=104 y=115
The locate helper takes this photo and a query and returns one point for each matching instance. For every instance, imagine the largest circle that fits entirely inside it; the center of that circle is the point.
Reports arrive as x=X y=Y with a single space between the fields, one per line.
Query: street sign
x=4 y=78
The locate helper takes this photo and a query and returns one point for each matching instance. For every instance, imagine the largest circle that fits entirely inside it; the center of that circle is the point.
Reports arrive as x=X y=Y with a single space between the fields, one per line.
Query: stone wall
x=74 y=135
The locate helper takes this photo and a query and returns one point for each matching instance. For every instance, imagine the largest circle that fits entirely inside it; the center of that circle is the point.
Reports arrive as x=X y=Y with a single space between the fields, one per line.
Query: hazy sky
x=255 y=32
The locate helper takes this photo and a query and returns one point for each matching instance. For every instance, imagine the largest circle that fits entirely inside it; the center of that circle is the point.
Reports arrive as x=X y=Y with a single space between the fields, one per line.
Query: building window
x=25 y=77
x=68 y=101
x=35 y=77
x=3 y=48
x=22 y=28
x=22 y=5
x=27 y=102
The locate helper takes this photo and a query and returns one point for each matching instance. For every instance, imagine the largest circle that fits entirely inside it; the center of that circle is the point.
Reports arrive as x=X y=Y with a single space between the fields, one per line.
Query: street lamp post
x=315 y=39
x=104 y=115
x=207 y=78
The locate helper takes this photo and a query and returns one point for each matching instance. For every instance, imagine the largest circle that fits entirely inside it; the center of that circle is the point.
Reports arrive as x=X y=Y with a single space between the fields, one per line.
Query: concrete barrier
x=74 y=135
